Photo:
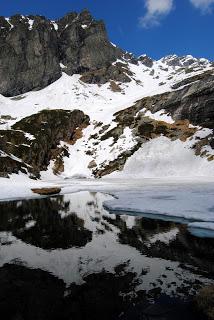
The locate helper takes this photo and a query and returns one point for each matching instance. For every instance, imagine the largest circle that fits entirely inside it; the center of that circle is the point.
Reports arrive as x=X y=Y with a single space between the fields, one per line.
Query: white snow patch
x=55 y=25
x=161 y=157
x=31 y=22
x=159 y=115
x=11 y=25
x=62 y=65
x=164 y=237
x=114 y=45
x=30 y=224
x=29 y=136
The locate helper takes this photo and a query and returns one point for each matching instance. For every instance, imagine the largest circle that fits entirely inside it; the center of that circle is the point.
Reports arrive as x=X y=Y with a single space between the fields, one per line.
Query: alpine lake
x=68 y=257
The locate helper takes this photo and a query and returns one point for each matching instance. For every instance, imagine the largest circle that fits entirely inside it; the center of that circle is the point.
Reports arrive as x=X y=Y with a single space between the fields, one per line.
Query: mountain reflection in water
x=75 y=255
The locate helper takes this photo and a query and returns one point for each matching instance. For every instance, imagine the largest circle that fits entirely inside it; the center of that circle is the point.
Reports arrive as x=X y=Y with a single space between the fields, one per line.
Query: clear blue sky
x=154 y=27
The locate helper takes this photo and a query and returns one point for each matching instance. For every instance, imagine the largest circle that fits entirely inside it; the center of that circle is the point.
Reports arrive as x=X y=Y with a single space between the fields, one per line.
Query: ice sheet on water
x=193 y=204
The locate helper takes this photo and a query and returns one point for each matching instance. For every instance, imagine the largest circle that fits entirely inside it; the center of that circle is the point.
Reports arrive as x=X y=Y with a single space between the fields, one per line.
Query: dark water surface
x=67 y=257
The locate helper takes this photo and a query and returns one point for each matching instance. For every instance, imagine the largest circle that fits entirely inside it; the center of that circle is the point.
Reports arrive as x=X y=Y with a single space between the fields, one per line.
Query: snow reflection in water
x=73 y=236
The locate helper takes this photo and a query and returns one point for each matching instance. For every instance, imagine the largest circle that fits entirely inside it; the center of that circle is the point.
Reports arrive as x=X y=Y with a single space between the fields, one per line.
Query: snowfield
x=161 y=158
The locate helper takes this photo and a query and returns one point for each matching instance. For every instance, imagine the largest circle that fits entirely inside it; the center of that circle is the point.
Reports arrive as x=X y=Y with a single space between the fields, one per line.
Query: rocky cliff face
x=33 y=142
x=84 y=44
x=194 y=102
x=35 y=50
x=28 y=55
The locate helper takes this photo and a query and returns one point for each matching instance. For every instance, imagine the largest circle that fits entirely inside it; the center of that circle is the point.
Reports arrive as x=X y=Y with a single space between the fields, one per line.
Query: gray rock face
x=147 y=61
x=84 y=45
x=117 y=72
x=28 y=57
x=194 y=102
x=32 y=47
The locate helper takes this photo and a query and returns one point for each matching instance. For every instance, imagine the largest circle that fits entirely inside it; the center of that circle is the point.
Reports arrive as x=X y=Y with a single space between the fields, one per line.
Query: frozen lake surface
x=190 y=201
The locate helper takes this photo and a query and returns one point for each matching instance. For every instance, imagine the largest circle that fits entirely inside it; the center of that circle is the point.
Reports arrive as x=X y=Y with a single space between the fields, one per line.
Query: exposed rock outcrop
x=147 y=61
x=184 y=61
x=35 y=49
x=29 y=56
x=83 y=43
x=117 y=72
x=194 y=102
x=34 y=141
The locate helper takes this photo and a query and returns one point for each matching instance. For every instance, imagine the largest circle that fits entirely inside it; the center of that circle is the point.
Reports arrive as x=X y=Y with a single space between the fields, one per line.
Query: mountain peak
x=34 y=47
x=184 y=61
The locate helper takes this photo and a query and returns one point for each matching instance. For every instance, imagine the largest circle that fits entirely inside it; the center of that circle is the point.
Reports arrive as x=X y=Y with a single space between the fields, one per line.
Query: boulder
x=46 y=191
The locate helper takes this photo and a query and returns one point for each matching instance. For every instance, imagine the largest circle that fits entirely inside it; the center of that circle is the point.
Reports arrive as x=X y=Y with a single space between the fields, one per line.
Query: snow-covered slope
x=159 y=157
x=99 y=101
